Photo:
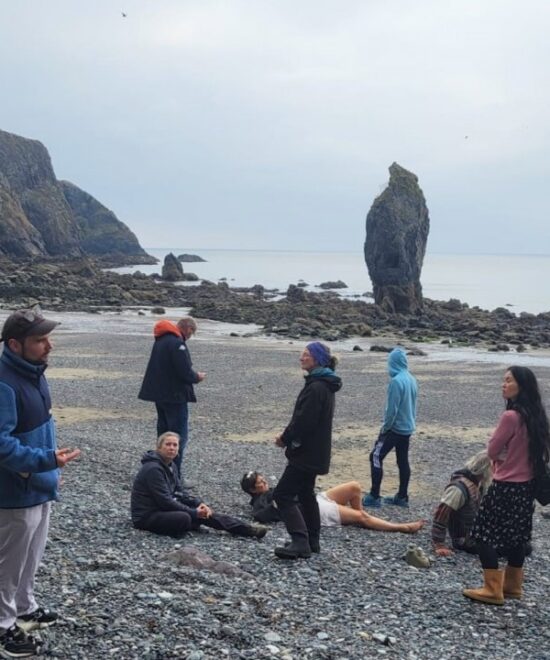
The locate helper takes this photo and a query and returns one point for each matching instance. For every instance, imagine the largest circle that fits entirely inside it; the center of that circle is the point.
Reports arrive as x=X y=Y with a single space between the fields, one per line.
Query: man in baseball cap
x=29 y=476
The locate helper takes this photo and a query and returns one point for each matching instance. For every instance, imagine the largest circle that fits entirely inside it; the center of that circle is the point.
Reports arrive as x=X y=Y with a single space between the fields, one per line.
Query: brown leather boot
x=513 y=582
x=491 y=592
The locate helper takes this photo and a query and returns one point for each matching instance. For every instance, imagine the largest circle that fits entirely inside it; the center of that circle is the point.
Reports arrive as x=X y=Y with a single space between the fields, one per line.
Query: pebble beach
x=117 y=595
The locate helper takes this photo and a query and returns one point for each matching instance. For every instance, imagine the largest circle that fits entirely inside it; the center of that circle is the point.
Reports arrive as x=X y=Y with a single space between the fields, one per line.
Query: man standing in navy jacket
x=29 y=475
x=169 y=379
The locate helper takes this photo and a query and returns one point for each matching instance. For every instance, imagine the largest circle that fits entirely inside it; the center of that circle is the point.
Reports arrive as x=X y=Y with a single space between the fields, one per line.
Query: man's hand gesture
x=66 y=455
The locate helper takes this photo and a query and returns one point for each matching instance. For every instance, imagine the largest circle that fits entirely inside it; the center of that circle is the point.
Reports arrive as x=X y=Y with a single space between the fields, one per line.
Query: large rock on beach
x=43 y=217
x=172 y=270
x=397 y=232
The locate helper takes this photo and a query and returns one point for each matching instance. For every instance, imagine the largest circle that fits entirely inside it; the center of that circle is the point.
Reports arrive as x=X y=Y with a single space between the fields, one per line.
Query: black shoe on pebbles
x=294 y=550
x=36 y=620
x=14 y=643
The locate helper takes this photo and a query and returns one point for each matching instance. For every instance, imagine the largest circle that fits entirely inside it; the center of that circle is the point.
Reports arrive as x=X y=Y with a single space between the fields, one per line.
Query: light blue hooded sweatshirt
x=400 y=412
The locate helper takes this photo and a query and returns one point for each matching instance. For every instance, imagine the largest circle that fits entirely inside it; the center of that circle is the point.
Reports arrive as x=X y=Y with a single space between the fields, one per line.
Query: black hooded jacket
x=169 y=377
x=308 y=436
x=157 y=488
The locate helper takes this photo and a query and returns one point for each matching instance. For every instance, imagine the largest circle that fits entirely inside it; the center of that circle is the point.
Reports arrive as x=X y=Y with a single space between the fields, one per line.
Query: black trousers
x=174 y=417
x=297 y=483
x=176 y=523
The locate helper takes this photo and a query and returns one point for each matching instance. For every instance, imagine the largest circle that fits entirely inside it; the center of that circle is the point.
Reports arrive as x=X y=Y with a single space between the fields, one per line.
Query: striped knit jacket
x=458 y=521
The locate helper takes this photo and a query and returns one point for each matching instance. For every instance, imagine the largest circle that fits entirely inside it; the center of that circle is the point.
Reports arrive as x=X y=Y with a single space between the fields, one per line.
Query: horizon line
x=446 y=254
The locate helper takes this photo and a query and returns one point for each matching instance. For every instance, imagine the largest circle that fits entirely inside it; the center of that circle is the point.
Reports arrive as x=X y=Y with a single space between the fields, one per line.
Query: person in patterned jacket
x=459 y=504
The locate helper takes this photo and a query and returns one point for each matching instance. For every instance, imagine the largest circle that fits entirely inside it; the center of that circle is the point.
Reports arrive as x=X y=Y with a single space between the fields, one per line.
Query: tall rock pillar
x=397 y=232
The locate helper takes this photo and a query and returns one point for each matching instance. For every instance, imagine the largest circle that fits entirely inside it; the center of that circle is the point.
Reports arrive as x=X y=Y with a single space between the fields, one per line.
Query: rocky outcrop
x=172 y=270
x=40 y=216
x=190 y=258
x=82 y=284
x=397 y=232
x=100 y=231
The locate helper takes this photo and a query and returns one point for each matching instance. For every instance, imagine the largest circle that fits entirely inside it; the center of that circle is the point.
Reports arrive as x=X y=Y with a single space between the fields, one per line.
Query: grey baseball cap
x=26 y=323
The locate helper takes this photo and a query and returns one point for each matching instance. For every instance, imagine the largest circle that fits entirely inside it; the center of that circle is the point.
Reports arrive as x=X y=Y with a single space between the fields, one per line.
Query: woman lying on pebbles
x=340 y=505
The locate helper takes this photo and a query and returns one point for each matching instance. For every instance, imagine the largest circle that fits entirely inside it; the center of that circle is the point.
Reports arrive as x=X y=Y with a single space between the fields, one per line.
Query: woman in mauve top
x=518 y=447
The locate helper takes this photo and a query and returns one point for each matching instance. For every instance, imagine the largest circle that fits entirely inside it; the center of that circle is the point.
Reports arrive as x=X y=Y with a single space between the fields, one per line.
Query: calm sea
x=518 y=281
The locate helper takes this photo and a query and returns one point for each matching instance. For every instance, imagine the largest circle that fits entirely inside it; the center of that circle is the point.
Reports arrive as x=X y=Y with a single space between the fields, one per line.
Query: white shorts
x=328 y=510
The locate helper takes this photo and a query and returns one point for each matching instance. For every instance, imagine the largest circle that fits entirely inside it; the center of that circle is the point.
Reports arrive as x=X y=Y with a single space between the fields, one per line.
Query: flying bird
x=123 y=14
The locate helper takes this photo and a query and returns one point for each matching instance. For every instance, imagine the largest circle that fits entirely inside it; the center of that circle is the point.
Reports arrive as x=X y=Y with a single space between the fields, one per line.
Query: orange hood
x=165 y=327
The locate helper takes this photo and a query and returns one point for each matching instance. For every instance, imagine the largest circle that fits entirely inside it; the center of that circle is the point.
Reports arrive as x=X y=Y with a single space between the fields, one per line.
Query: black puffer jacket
x=308 y=437
x=156 y=488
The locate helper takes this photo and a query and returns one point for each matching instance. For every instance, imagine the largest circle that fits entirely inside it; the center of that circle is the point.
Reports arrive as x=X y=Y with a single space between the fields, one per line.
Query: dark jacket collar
x=20 y=365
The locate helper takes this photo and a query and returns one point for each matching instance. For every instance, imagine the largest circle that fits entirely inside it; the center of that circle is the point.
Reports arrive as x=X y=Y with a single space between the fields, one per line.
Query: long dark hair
x=528 y=404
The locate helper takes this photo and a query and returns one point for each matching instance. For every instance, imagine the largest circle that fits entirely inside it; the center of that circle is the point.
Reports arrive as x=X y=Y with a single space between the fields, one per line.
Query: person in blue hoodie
x=398 y=426
x=307 y=443
x=29 y=476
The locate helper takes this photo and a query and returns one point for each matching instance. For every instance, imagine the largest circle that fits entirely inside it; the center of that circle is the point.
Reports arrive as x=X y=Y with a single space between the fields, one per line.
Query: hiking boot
x=372 y=501
x=36 y=620
x=415 y=557
x=14 y=643
x=395 y=500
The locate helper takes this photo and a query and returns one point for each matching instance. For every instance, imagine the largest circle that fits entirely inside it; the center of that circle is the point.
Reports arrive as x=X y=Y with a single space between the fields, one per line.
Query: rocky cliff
x=397 y=232
x=101 y=232
x=41 y=216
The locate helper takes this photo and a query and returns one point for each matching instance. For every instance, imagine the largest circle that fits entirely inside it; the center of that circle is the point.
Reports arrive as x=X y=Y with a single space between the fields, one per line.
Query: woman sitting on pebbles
x=159 y=504
x=519 y=446
x=340 y=505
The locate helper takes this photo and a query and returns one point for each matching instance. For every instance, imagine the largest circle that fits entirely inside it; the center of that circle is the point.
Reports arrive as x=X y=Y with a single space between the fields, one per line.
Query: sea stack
x=397 y=232
x=172 y=270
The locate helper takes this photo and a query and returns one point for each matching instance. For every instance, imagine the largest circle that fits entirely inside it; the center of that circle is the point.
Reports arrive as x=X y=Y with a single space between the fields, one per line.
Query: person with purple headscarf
x=307 y=442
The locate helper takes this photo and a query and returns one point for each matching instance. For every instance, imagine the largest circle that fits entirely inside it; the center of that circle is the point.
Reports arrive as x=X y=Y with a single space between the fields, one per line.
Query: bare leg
x=363 y=519
x=344 y=494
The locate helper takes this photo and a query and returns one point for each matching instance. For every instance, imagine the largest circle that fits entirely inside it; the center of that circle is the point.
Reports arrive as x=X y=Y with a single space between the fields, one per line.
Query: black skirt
x=505 y=516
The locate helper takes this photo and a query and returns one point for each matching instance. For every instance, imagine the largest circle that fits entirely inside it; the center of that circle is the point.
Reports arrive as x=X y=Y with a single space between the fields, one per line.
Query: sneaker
x=397 y=501
x=14 y=643
x=372 y=501
x=36 y=620
x=415 y=557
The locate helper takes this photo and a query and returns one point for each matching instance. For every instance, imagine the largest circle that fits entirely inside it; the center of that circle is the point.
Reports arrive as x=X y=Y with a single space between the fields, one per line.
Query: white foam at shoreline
x=131 y=323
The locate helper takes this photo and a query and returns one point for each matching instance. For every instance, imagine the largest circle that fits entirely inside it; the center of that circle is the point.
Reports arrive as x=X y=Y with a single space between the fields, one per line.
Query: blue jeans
x=385 y=443
x=174 y=417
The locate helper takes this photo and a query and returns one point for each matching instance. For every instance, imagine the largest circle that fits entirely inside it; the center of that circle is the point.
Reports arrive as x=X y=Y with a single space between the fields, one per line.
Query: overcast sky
x=271 y=124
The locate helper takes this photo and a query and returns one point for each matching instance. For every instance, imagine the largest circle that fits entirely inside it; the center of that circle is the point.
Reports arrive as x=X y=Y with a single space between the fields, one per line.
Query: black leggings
x=489 y=556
